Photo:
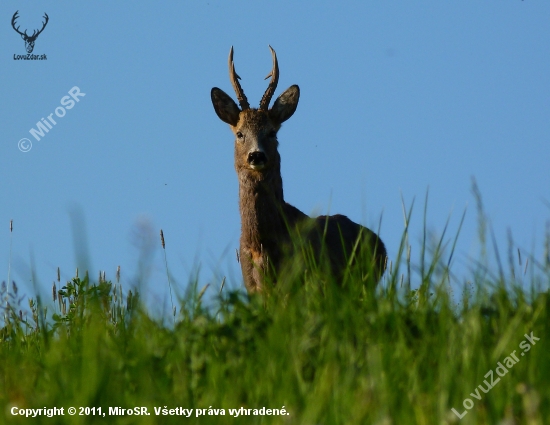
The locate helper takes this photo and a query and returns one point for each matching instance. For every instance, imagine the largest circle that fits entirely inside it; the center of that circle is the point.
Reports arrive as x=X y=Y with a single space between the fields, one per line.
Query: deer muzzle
x=257 y=160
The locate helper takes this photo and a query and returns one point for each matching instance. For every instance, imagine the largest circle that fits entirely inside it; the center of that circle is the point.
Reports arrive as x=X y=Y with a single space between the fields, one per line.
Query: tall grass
x=325 y=353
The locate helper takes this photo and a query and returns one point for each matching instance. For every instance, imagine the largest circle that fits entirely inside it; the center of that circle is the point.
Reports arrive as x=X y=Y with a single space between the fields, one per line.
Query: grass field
x=309 y=352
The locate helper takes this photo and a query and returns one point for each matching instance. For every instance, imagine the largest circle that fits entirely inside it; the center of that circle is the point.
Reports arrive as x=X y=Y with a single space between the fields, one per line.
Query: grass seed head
x=203 y=290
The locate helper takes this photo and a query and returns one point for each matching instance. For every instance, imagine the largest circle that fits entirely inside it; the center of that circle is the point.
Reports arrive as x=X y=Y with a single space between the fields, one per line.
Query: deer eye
x=272 y=134
x=240 y=135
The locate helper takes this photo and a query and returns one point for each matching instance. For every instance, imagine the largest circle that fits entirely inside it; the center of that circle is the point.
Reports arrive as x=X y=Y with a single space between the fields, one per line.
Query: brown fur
x=265 y=216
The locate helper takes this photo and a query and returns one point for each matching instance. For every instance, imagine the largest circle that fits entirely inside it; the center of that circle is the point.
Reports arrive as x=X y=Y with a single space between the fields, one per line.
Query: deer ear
x=285 y=105
x=225 y=107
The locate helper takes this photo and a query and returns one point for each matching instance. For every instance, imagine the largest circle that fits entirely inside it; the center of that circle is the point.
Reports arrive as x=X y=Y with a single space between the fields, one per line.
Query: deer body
x=266 y=219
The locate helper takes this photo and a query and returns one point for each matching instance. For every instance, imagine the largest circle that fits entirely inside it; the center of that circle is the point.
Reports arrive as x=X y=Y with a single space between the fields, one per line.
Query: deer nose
x=257 y=159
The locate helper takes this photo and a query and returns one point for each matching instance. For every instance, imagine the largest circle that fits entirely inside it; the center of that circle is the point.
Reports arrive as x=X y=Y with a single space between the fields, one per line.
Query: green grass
x=326 y=353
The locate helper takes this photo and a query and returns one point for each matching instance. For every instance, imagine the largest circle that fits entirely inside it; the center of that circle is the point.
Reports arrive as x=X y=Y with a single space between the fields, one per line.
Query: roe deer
x=266 y=219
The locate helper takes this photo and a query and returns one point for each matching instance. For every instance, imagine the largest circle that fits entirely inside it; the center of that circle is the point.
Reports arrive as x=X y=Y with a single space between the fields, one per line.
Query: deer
x=267 y=220
x=29 y=39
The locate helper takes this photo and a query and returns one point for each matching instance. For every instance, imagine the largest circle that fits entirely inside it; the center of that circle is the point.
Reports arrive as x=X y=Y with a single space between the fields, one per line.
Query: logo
x=29 y=39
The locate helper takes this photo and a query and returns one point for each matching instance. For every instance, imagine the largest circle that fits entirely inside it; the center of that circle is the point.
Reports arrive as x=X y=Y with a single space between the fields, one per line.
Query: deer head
x=255 y=129
x=29 y=39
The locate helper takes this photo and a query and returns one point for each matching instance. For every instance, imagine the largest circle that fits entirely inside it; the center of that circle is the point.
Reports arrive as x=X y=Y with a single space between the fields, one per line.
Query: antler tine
x=45 y=22
x=43 y=25
x=243 y=101
x=46 y=19
x=15 y=16
x=274 y=74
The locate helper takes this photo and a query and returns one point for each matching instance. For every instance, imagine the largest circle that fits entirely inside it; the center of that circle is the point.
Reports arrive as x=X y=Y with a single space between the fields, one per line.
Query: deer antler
x=274 y=74
x=34 y=34
x=43 y=25
x=13 y=23
x=243 y=101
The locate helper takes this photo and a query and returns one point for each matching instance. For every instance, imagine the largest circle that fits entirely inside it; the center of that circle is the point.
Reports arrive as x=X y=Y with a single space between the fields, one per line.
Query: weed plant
x=351 y=352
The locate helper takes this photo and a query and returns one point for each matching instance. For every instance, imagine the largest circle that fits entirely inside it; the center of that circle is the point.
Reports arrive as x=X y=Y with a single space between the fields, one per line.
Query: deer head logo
x=29 y=39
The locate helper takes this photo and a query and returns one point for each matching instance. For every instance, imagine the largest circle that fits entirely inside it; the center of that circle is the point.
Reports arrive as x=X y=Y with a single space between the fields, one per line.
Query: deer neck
x=261 y=206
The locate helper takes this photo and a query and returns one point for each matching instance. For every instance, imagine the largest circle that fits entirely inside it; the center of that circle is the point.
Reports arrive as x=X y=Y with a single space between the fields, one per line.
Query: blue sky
x=396 y=97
